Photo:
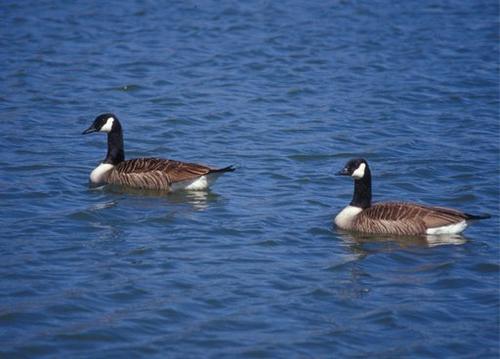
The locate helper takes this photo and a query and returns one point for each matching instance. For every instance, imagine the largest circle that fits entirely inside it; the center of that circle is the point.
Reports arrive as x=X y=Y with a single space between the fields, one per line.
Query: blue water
x=253 y=268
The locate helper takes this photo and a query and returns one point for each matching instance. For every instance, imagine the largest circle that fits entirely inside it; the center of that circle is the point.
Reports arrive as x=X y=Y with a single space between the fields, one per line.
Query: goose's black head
x=106 y=122
x=356 y=168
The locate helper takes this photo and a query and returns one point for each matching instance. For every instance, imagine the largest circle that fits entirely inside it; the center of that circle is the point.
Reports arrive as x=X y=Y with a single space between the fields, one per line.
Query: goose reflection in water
x=198 y=200
x=402 y=241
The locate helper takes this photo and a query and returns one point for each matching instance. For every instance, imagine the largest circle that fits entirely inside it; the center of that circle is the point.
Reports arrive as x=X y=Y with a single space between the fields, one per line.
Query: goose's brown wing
x=155 y=173
x=406 y=218
x=441 y=216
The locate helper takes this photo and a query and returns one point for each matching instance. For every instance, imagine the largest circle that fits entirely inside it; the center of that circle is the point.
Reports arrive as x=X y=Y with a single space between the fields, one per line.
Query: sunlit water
x=288 y=92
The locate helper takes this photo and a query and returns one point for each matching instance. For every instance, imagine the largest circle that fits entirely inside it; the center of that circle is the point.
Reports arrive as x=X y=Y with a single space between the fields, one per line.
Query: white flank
x=344 y=219
x=99 y=174
x=360 y=172
x=197 y=184
x=108 y=125
x=449 y=229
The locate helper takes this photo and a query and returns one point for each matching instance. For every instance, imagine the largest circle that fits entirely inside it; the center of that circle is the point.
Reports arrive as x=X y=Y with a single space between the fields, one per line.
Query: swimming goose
x=394 y=217
x=145 y=173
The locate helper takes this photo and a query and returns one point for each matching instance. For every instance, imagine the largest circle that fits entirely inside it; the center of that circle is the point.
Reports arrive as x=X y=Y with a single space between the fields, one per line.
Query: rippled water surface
x=253 y=268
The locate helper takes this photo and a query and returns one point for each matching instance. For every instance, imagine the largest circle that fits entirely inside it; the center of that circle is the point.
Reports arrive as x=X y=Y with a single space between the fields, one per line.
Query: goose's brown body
x=157 y=173
x=404 y=218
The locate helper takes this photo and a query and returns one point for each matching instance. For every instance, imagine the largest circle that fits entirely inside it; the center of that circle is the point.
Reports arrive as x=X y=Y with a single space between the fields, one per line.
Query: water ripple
x=252 y=268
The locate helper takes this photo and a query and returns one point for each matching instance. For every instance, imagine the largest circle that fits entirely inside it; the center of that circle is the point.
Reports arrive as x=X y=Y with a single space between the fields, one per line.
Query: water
x=253 y=268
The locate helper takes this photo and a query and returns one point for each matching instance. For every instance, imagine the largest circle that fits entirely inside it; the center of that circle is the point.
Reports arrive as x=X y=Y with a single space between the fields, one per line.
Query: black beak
x=344 y=172
x=90 y=130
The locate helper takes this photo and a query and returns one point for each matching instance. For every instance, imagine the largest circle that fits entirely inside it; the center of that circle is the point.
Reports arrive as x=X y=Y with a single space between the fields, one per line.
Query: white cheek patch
x=360 y=171
x=108 y=125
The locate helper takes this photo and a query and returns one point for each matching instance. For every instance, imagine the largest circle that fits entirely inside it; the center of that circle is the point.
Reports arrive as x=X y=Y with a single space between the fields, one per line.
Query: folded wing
x=405 y=218
x=155 y=173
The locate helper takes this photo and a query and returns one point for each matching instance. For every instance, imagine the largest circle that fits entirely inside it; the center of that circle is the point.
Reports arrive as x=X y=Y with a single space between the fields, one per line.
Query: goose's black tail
x=225 y=169
x=473 y=217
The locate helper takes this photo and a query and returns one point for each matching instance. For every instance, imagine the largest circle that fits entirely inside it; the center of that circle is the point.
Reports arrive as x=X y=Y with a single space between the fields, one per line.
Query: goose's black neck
x=115 y=154
x=362 y=196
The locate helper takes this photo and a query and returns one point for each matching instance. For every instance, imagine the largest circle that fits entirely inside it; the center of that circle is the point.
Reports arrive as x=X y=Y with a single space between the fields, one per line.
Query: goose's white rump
x=199 y=184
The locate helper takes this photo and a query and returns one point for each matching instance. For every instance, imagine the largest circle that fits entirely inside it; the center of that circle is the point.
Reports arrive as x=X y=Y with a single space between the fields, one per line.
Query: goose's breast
x=346 y=217
x=99 y=175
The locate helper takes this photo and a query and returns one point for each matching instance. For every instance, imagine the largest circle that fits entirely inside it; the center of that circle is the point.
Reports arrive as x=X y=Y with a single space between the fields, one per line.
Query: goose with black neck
x=397 y=218
x=145 y=173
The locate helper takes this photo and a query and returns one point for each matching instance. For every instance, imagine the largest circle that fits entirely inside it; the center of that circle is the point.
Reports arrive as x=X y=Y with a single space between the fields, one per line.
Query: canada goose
x=394 y=217
x=145 y=173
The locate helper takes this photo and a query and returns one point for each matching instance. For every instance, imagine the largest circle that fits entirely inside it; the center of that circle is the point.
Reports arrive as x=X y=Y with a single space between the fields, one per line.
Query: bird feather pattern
x=405 y=218
x=155 y=173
